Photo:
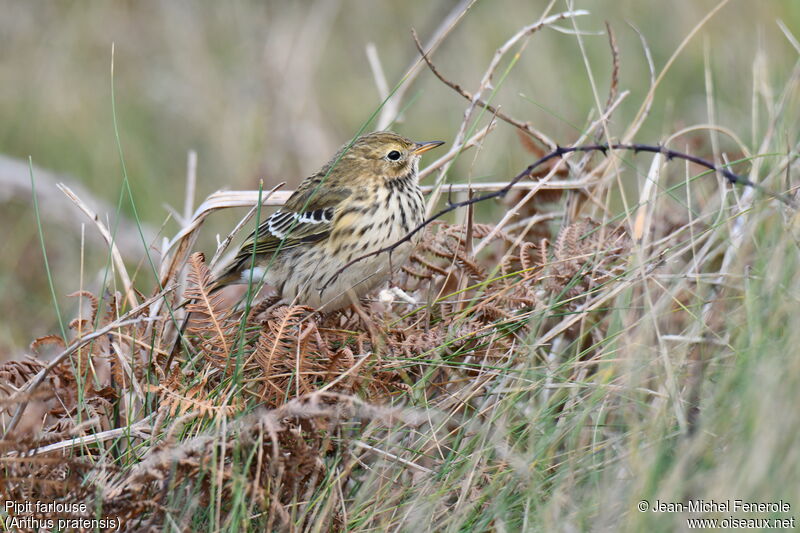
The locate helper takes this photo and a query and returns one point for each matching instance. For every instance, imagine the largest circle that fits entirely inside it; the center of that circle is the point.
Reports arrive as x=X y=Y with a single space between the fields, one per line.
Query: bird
x=365 y=198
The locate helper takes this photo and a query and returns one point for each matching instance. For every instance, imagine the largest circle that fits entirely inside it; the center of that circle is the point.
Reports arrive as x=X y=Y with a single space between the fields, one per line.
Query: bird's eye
x=394 y=155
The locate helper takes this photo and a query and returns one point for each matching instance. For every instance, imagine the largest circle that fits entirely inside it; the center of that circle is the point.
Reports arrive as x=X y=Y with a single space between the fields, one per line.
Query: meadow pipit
x=366 y=198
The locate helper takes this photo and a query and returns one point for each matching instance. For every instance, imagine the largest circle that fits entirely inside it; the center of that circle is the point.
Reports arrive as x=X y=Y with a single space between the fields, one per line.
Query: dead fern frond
x=177 y=398
x=531 y=257
x=280 y=333
x=15 y=374
x=288 y=347
x=81 y=323
x=48 y=340
x=209 y=320
x=481 y=231
x=113 y=307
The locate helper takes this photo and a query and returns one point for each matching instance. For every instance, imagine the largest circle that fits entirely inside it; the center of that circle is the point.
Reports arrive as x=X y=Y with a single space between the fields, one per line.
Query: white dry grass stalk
x=392 y=457
x=643 y=218
x=377 y=73
x=274 y=198
x=350 y=371
x=136 y=429
x=455 y=151
x=127 y=368
x=249 y=198
x=183 y=241
x=130 y=295
x=225 y=200
x=223 y=245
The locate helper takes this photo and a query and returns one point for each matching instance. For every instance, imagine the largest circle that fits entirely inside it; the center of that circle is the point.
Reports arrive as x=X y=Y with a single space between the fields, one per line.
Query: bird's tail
x=229 y=277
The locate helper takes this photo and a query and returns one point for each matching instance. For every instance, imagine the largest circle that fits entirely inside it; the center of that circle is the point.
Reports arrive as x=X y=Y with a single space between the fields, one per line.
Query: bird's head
x=383 y=155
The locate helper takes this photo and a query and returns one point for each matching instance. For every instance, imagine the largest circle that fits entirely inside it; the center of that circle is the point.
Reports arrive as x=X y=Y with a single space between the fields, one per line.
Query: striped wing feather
x=307 y=217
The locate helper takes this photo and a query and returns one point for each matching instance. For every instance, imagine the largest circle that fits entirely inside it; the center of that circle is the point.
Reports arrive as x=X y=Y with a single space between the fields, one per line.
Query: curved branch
x=560 y=152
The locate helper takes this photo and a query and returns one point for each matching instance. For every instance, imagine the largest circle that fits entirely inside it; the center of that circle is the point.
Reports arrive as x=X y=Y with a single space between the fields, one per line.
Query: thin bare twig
x=546 y=181
x=523 y=126
x=614 y=86
x=133 y=429
x=455 y=151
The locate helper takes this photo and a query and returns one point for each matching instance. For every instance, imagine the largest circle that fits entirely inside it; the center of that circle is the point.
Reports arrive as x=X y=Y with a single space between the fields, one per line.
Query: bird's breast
x=368 y=222
x=376 y=220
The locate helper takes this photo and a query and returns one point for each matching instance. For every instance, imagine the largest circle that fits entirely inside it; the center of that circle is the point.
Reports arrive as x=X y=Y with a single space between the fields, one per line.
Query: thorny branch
x=560 y=152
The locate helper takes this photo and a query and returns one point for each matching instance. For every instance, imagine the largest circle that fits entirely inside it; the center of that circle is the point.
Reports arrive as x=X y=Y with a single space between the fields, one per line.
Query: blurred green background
x=269 y=90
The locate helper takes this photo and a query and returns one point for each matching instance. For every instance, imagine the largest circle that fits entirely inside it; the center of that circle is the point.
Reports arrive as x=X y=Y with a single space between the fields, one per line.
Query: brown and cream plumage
x=366 y=198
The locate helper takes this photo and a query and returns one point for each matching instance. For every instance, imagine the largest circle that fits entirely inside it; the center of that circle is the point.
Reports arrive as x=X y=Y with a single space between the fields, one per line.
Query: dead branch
x=614 y=86
x=558 y=153
x=523 y=126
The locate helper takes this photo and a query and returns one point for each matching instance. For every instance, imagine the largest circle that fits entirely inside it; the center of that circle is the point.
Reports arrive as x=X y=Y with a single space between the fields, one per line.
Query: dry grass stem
x=604 y=328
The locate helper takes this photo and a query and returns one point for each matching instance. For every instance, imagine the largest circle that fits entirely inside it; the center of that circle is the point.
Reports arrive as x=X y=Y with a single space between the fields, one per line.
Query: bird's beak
x=421 y=148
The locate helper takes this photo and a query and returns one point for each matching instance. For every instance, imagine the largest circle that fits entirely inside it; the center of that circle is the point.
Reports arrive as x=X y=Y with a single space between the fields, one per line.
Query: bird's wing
x=307 y=217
